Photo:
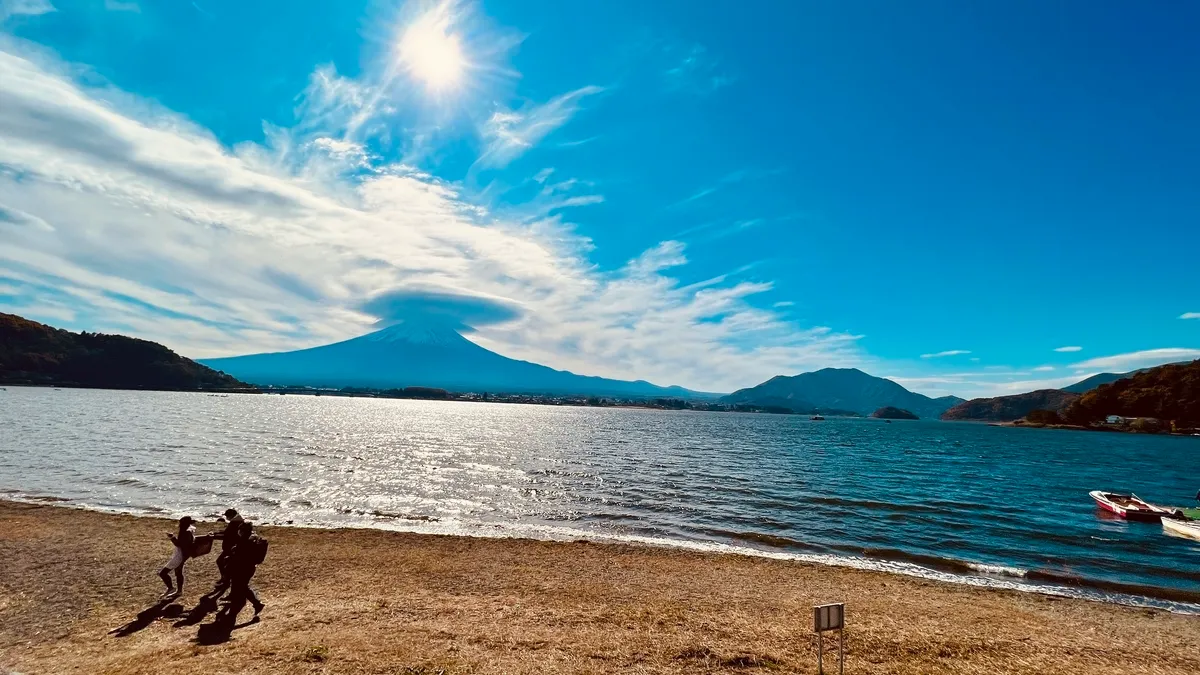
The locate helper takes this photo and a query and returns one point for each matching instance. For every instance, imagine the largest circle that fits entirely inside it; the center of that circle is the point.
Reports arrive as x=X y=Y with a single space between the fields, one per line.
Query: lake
x=963 y=502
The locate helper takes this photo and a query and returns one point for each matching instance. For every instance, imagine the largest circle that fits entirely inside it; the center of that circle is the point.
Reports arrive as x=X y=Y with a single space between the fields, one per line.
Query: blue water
x=964 y=502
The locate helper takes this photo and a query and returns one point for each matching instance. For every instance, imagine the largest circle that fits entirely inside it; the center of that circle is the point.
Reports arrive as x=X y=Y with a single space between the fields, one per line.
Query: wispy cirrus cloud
x=696 y=71
x=1141 y=359
x=508 y=134
x=949 y=352
x=1190 y=315
x=1069 y=349
x=984 y=384
x=124 y=217
x=15 y=8
x=122 y=6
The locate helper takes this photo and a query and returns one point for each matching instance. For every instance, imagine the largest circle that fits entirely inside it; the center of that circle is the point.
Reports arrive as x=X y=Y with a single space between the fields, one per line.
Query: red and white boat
x=1129 y=506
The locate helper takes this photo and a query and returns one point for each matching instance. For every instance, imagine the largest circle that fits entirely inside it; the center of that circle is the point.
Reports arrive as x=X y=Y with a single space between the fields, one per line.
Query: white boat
x=1182 y=528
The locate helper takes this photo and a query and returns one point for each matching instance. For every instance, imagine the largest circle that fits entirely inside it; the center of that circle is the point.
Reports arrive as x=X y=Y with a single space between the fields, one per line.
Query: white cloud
x=1043 y=369
x=132 y=219
x=1069 y=349
x=11 y=8
x=1190 y=315
x=508 y=134
x=697 y=72
x=1135 y=360
x=982 y=385
x=950 y=352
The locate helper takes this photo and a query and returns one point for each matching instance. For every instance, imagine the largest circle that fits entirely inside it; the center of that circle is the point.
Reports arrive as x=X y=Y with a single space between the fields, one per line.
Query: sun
x=432 y=53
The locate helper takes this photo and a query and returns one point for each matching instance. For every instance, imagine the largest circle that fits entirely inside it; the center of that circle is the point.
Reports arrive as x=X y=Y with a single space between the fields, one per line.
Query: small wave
x=265 y=501
x=403 y=516
x=127 y=481
x=998 y=570
x=1065 y=579
x=760 y=538
x=930 y=561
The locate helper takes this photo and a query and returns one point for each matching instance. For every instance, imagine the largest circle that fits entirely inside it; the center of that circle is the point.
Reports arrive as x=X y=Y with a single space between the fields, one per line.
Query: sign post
x=827 y=618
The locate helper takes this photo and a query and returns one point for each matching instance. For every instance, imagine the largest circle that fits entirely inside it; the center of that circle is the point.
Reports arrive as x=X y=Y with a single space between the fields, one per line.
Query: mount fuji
x=426 y=354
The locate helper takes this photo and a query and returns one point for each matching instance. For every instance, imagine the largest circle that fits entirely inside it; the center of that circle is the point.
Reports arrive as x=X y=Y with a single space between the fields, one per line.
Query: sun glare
x=432 y=53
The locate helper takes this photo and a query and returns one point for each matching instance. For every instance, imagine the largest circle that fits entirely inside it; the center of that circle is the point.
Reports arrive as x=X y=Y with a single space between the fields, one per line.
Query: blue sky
x=943 y=193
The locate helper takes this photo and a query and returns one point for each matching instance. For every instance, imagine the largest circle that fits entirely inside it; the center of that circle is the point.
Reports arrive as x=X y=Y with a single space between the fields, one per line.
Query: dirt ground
x=367 y=601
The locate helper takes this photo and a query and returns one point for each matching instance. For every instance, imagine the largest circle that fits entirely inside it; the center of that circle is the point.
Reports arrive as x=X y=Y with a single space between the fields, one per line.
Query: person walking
x=183 y=540
x=248 y=553
x=228 y=537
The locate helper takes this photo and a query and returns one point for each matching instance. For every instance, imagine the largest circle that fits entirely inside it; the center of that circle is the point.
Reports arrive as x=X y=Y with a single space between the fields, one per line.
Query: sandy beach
x=368 y=601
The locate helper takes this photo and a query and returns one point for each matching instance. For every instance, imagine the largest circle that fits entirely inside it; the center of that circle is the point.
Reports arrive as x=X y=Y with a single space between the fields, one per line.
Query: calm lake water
x=976 y=504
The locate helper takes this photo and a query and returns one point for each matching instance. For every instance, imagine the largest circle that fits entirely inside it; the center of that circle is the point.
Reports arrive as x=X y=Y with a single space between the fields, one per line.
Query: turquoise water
x=983 y=505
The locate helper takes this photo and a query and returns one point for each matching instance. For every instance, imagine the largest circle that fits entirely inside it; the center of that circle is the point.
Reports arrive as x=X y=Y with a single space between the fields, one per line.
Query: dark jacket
x=242 y=562
x=230 y=534
x=185 y=541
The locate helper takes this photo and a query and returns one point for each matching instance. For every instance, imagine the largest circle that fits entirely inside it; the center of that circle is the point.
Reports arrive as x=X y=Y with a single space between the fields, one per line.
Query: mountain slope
x=840 y=388
x=34 y=353
x=423 y=354
x=1169 y=393
x=1009 y=408
x=1096 y=380
x=890 y=413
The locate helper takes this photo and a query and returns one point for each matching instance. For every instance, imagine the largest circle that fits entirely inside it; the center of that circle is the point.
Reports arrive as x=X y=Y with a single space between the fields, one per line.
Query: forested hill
x=34 y=353
x=840 y=389
x=1169 y=393
x=1009 y=408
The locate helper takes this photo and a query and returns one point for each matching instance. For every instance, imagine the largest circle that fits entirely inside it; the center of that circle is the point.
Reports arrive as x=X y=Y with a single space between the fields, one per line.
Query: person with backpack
x=183 y=540
x=248 y=553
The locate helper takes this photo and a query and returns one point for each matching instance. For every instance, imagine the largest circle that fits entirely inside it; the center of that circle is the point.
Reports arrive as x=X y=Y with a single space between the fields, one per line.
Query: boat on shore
x=1130 y=506
x=1182 y=528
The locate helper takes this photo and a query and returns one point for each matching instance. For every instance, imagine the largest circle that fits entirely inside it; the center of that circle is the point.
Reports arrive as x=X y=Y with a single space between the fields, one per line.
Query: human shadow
x=166 y=608
x=220 y=630
x=207 y=604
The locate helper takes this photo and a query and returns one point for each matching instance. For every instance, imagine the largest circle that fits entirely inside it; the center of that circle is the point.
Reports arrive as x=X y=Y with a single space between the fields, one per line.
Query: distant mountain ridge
x=1009 y=408
x=890 y=413
x=839 y=388
x=425 y=354
x=1094 y=381
x=34 y=353
x=1088 y=384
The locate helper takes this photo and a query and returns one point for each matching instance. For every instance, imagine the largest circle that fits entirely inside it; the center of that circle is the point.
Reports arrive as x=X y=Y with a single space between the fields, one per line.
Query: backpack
x=258 y=550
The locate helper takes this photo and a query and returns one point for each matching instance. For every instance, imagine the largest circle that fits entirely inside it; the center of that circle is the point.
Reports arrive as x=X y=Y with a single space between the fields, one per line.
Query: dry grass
x=363 y=601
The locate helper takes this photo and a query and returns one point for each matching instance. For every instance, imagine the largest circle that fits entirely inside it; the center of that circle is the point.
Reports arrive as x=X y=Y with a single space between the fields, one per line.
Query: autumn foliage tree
x=1170 y=393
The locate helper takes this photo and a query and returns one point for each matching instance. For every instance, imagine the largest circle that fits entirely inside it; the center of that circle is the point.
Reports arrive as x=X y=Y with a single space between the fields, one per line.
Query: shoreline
x=972 y=574
x=1098 y=427
x=384 y=601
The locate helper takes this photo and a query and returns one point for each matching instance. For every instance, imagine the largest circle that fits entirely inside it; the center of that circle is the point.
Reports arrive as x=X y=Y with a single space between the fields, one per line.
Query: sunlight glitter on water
x=926 y=498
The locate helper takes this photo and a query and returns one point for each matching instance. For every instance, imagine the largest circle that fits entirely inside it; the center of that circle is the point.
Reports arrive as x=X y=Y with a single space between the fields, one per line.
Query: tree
x=1043 y=417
